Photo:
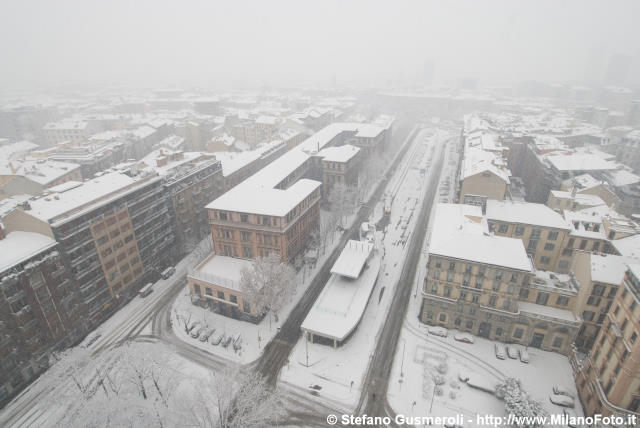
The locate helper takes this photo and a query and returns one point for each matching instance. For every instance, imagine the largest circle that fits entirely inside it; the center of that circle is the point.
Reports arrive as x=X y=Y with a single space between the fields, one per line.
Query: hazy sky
x=216 y=43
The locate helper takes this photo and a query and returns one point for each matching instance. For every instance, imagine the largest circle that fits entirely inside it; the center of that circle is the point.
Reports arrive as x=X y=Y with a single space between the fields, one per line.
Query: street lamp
x=404 y=344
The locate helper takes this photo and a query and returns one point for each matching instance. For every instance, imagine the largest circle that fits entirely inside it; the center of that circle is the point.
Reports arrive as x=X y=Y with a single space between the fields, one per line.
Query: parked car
x=512 y=352
x=500 y=351
x=196 y=331
x=562 y=400
x=204 y=336
x=464 y=338
x=193 y=325
x=237 y=342
x=226 y=341
x=524 y=355
x=439 y=331
x=561 y=390
x=217 y=339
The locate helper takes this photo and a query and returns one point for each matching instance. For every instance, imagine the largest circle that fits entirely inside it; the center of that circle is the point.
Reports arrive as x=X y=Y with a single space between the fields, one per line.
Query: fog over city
x=301 y=214
x=251 y=44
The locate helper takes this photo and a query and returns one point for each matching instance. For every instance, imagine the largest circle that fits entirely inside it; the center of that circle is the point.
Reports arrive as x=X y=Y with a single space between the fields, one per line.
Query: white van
x=168 y=272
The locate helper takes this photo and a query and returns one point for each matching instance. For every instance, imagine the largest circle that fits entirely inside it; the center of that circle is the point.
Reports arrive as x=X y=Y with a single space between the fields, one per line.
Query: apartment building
x=339 y=165
x=114 y=232
x=608 y=379
x=66 y=130
x=560 y=200
x=487 y=285
x=541 y=229
x=40 y=310
x=599 y=277
x=191 y=180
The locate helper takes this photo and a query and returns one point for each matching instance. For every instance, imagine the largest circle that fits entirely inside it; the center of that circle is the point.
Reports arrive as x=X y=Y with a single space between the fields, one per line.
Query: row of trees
x=137 y=384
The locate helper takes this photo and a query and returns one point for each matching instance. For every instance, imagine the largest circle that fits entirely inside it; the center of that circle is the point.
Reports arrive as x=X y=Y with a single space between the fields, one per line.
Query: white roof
x=19 y=246
x=339 y=154
x=456 y=218
x=580 y=162
x=524 y=213
x=477 y=160
x=48 y=207
x=222 y=270
x=342 y=302
x=352 y=258
x=609 y=269
x=586 y=181
x=547 y=311
x=622 y=177
x=42 y=172
x=629 y=246
x=15 y=150
x=264 y=200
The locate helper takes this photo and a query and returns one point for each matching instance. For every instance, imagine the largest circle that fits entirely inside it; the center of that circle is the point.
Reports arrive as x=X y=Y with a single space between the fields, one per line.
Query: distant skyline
x=274 y=43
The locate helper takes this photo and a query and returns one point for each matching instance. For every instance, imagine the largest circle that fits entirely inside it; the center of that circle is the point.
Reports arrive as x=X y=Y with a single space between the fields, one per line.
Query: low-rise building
x=340 y=165
x=35 y=176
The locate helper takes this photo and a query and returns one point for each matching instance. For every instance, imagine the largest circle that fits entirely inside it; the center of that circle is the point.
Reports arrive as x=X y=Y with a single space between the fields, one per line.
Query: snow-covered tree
x=519 y=403
x=269 y=284
x=235 y=399
x=342 y=199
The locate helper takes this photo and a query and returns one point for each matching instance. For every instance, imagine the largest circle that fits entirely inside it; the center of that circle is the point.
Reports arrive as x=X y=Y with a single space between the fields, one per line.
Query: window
x=524 y=293
x=266 y=220
x=598 y=290
x=233 y=298
x=557 y=342
x=535 y=233
x=583 y=244
x=128 y=238
x=562 y=301
x=469 y=325
x=447 y=291
x=478 y=283
x=436 y=274
x=596 y=246
x=429 y=315
x=496 y=286
x=532 y=245
x=247 y=252
x=467 y=268
x=475 y=298
x=244 y=218
x=457 y=322
x=103 y=239
x=552 y=236
x=506 y=304
x=196 y=288
x=481 y=271
x=612 y=292
x=549 y=246
x=563 y=264
x=222 y=215
x=450 y=276
x=518 y=333
x=499 y=331
x=442 y=318
x=245 y=236
x=567 y=252
x=571 y=242
x=246 y=307
x=519 y=230
x=438 y=263
x=633 y=338
x=588 y=315
x=545 y=260
x=227 y=251
x=492 y=301
x=503 y=228
x=472 y=311
x=498 y=274
x=221 y=295
x=452 y=265
x=510 y=289
x=542 y=298
x=434 y=288
x=463 y=295
x=514 y=277
x=593 y=301
x=207 y=290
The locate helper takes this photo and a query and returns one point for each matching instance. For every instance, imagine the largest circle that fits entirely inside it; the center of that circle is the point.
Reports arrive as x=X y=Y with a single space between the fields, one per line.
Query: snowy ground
x=254 y=337
x=420 y=355
x=339 y=372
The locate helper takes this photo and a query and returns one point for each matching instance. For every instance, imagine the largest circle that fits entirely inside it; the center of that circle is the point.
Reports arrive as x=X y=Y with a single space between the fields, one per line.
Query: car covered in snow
x=204 y=336
x=512 y=352
x=439 y=331
x=562 y=400
x=195 y=332
x=479 y=382
x=215 y=340
x=464 y=338
x=226 y=341
x=500 y=351
x=561 y=390
x=524 y=355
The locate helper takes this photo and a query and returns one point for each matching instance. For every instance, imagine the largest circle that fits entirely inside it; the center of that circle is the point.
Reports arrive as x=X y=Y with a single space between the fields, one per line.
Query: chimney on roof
x=13 y=169
x=3 y=232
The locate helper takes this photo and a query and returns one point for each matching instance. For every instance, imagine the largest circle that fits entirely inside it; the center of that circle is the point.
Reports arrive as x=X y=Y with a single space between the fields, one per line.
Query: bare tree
x=269 y=284
x=343 y=200
x=519 y=403
x=234 y=399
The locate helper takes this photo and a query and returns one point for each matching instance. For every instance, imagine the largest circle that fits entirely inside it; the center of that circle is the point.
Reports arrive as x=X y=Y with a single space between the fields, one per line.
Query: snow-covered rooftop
x=49 y=207
x=222 y=270
x=477 y=160
x=628 y=247
x=580 y=162
x=15 y=150
x=19 y=246
x=548 y=312
x=339 y=154
x=40 y=171
x=524 y=213
x=608 y=268
x=352 y=258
